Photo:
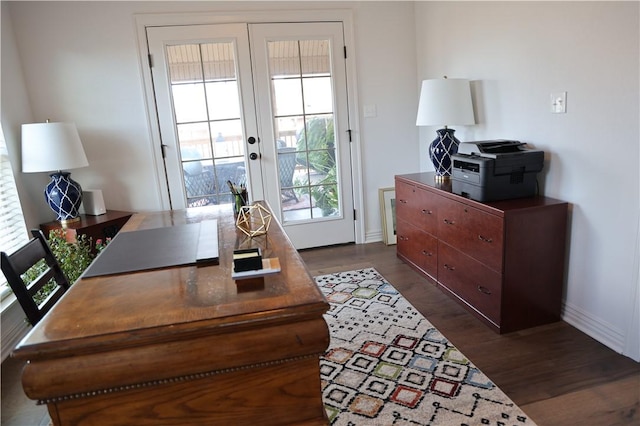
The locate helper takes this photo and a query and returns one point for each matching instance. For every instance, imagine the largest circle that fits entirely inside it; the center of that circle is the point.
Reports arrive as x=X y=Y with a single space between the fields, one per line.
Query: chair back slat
x=22 y=259
x=43 y=279
x=52 y=299
x=16 y=264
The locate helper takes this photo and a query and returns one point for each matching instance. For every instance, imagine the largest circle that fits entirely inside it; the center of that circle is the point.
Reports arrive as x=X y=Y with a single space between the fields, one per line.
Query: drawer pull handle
x=483 y=290
x=448 y=222
x=485 y=239
x=403 y=201
x=425 y=211
x=426 y=253
x=449 y=267
x=402 y=238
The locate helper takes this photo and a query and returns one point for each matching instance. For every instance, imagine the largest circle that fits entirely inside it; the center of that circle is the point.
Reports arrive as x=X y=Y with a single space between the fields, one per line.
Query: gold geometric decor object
x=253 y=220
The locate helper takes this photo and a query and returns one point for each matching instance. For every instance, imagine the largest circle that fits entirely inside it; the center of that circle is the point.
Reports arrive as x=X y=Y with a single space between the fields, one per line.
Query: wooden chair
x=19 y=262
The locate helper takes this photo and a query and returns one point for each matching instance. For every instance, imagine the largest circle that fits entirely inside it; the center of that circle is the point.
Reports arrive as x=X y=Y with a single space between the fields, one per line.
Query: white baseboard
x=601 y=331
x=373 y=237
x=13 y=325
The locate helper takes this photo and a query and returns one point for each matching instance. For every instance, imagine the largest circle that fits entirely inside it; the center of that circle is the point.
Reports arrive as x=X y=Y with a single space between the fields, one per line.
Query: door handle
x=253 y=156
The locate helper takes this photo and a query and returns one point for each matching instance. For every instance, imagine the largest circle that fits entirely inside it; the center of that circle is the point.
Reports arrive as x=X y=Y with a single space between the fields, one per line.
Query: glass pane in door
x=205 y=97
x=301 y=86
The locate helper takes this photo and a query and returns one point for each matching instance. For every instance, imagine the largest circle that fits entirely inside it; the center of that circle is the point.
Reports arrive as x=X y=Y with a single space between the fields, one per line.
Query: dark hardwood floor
x=555 y=373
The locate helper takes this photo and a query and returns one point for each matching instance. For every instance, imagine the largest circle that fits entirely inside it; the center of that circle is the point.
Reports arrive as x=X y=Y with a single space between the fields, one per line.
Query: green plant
x=326 y=194
x=316 y=145
x=101 y=245
x=33 y=273
x=316 y=148
x=73 y=258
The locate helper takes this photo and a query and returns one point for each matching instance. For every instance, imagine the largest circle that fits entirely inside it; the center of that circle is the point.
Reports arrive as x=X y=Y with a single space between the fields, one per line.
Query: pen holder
x=239 y=200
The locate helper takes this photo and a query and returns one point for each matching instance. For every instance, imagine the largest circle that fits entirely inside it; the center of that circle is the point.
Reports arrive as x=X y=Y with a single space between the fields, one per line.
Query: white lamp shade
x=50 y=147
x=445 y=102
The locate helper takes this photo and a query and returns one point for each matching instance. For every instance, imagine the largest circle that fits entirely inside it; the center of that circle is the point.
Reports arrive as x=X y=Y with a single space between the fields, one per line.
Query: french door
x=262 y=106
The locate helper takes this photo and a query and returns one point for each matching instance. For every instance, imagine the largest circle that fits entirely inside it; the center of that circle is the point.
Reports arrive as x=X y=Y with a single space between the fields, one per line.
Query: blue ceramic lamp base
x=64 y=196
x=440 y=151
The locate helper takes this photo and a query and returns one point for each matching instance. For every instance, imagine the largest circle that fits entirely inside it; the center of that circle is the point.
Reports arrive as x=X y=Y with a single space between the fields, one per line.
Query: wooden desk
x=184 y=345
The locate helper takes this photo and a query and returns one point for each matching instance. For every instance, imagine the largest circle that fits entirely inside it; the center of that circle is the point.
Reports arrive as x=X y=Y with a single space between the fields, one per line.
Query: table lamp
x=445 y=101
x=48 y=147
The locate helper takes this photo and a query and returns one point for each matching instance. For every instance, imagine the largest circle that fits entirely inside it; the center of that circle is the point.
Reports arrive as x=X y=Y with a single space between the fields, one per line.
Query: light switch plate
x=559 y=102
x=370 y=111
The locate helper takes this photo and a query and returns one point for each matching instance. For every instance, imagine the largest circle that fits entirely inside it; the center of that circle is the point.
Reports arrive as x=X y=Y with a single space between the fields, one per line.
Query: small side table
x=95 y=227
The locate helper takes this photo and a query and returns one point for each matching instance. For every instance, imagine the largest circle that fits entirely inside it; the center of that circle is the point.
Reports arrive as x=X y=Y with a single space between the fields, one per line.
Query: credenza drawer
x=479 y=286
x=474 y=232
x=417 y=206
x=417 y=246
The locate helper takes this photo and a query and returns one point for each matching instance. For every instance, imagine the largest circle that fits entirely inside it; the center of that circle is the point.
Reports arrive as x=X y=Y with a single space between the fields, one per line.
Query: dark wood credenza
x=504 y=261
x=97 y=228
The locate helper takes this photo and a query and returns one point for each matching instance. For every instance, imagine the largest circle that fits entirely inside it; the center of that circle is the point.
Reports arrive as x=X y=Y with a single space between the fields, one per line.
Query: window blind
x=13 y=231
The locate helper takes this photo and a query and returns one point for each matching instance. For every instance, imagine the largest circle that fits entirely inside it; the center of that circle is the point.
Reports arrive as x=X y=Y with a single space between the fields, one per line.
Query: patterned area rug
x=387 y=365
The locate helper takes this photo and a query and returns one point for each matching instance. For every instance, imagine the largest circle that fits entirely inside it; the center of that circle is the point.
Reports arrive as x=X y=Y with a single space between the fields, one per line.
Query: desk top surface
x=119 y=311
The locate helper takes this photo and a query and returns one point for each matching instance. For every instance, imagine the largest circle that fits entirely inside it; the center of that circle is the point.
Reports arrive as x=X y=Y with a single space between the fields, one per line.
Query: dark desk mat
x=180 y=245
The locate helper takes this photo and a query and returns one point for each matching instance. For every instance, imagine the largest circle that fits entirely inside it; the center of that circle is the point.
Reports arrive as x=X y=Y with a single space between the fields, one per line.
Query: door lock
x=253 y=156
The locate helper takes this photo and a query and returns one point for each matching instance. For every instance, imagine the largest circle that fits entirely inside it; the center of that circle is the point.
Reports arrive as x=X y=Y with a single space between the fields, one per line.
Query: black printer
x=495 y=170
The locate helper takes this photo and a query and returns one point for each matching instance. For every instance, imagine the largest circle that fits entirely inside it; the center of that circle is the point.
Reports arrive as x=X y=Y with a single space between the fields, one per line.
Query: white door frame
x=142 y=21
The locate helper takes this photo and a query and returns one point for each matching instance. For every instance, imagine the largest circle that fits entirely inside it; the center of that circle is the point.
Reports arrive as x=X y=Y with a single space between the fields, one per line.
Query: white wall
x=14 y=110
x=517 y=53
x=386 y=64
x=80 y=63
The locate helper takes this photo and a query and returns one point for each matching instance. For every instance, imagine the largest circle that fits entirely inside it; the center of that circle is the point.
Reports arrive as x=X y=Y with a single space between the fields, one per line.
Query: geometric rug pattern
x=387 y=365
